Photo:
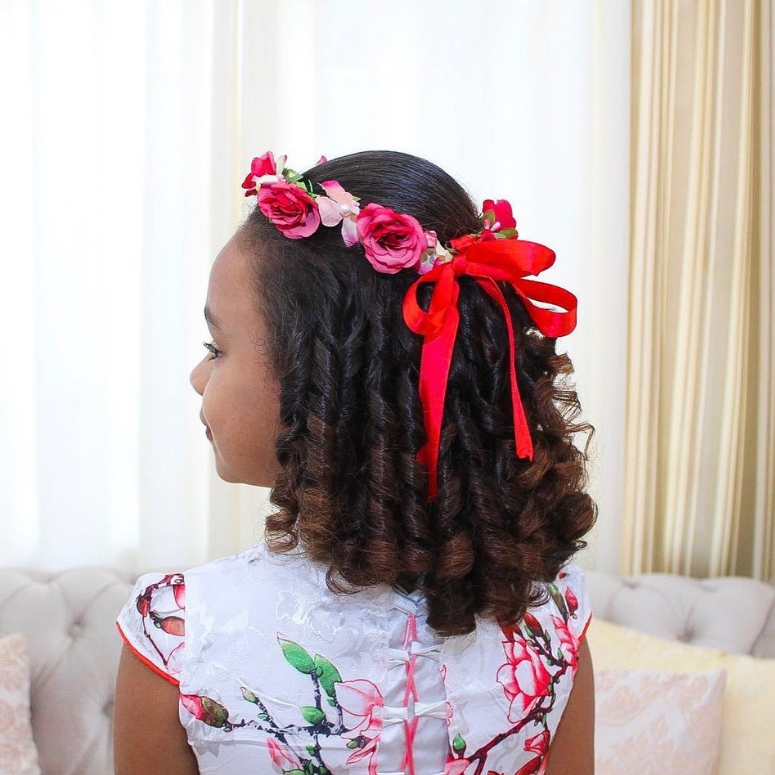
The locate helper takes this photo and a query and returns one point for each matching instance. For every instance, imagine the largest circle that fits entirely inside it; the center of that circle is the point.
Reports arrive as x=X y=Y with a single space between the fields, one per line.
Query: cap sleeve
x=573 y=599
x=152 y=623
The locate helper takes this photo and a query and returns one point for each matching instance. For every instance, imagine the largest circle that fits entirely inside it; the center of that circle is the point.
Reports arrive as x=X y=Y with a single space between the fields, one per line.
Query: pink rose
x=524 y=678
x=502 y=212
x=392 y=241
x=290 y=208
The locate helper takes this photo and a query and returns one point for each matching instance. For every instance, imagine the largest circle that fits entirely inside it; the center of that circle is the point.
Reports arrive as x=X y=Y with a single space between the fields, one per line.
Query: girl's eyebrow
x=211 y=320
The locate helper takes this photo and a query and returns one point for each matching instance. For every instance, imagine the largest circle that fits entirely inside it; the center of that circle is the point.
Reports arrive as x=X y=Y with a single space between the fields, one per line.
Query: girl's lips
x=209 y=435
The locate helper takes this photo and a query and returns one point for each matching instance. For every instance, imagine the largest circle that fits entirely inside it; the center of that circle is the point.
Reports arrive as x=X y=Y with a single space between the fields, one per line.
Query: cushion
x=649 y=722
x=747 y=742
x=18 y=755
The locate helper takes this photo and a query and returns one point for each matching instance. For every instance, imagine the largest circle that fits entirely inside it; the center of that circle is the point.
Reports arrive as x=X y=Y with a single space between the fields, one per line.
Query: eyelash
x=213 y=349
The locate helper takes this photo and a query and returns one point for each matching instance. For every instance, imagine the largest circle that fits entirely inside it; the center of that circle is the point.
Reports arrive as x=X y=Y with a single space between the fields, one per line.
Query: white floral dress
x=279 y=675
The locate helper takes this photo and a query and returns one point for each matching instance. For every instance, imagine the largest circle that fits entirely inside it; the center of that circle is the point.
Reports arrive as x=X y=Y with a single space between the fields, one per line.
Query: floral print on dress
x=161 y=605
x=536 y=660
x=295 y=749
x=297 y=681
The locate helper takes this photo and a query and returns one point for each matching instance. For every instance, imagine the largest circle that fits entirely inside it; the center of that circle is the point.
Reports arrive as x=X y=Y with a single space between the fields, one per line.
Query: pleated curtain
x=700 y=434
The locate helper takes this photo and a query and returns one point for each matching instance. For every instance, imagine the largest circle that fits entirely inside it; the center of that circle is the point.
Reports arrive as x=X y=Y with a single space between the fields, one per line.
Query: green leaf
x=327 y=674
x=294 y=772
x=309 y=767
x=459 y=744
x=310 y=749
x=352 y=744
x=296 y=656
x=312 y=714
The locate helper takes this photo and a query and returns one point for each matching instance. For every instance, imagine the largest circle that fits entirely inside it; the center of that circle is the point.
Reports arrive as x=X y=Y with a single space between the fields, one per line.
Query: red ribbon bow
x=507 y=259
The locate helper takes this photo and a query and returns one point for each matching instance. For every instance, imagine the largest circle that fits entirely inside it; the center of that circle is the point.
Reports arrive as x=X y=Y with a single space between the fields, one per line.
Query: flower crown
x=393 y=241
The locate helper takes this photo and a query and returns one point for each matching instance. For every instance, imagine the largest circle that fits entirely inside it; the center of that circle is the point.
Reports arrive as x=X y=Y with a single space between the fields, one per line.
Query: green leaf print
x=296 y=655
x=458 y=744
x=312 y=714
x=327 y=674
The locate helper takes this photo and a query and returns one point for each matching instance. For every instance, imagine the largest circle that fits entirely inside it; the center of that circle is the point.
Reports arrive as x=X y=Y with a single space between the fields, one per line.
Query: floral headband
x=394 y=241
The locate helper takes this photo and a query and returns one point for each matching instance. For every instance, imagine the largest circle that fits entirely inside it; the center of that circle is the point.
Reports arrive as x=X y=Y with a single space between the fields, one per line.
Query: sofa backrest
x=68 y=619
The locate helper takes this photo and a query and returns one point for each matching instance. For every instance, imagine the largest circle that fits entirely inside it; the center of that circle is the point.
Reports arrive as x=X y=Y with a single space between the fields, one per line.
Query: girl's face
x=240 y=396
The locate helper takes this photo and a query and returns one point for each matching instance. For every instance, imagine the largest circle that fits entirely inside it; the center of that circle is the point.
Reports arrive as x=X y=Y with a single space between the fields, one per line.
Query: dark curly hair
x=351 y=492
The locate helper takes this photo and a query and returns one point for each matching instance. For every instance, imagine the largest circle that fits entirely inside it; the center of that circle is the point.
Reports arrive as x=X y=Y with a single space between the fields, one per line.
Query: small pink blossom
x=338 y=206
x=392 y=241
x=284 y=758
x=456 y=766
x=572 y=601
x=290 y=208
x=569 y=643
x=179 y=590
x=538 y=744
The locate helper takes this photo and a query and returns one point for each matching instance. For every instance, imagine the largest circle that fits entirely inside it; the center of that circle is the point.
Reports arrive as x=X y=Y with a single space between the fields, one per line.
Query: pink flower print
x=179 y=590
x=339 y=205
x=524 y=678
x=569 y=643
x=538 y=744
x=456 y=766
x=572 y=601
x=283 y=758
x=361 y=702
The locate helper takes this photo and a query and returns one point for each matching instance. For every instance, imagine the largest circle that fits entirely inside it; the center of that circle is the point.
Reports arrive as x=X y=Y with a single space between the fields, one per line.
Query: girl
x=378 y=361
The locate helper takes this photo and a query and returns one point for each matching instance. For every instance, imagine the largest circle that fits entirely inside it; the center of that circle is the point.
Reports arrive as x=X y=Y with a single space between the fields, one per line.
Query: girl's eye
x=213 y=349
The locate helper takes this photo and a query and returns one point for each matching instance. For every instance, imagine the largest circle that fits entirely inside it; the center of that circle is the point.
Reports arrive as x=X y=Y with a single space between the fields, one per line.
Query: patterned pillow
x=747 y=743
x=661 y=723
x=18 y=754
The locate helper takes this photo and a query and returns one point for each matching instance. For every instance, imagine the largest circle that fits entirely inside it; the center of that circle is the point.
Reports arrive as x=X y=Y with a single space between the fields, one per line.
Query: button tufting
x=76 y=628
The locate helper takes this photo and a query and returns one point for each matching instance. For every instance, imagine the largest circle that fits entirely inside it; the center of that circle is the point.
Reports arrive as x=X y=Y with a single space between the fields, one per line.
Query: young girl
x=379 y=362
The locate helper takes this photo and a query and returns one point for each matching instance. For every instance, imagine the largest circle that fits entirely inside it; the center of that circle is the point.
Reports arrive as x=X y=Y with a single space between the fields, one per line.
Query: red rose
x=502 y=212
x=392 y=241
x=290 y=208
x=461 y=244
x=260 y=166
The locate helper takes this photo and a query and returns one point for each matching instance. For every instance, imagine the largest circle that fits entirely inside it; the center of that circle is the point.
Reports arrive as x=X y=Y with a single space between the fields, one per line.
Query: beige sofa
x=68 y=618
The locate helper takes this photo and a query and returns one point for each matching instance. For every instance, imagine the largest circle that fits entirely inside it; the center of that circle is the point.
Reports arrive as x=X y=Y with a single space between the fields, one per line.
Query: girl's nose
x=197 y=378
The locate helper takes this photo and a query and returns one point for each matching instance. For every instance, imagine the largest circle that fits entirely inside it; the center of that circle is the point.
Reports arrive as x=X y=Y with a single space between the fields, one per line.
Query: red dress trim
x=147 y=662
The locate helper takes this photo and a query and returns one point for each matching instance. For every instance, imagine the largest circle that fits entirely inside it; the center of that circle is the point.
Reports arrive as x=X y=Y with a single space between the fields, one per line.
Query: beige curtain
x=700 y=435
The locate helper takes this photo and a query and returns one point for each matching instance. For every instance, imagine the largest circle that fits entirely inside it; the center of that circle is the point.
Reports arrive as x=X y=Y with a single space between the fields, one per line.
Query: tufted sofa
x=68 y=618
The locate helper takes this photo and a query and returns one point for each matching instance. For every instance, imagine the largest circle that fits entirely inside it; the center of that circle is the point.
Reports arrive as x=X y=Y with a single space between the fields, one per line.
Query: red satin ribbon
x=509 y=260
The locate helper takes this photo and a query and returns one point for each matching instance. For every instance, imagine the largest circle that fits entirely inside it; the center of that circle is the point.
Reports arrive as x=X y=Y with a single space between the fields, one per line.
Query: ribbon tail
x=522 y=439
x=435 y=363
